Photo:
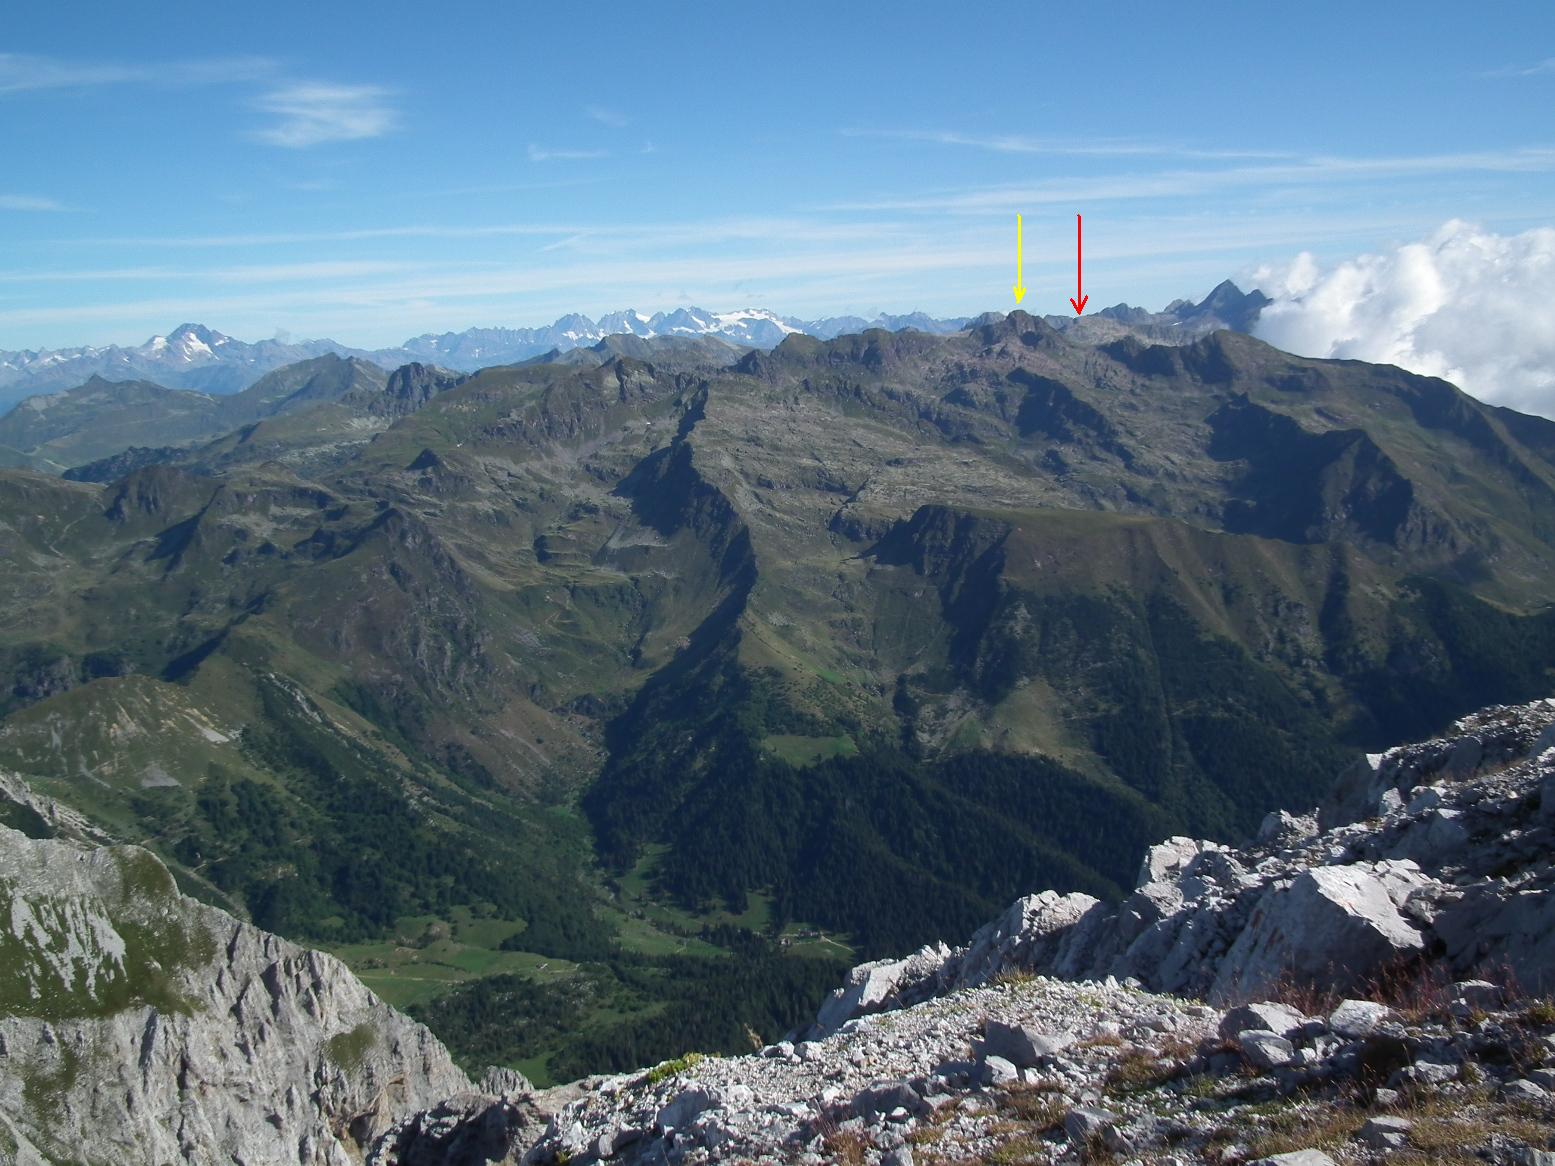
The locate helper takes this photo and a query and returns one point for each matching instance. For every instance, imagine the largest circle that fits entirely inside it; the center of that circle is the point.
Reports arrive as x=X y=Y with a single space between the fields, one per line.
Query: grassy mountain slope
x=845 y=644
x=101 y=418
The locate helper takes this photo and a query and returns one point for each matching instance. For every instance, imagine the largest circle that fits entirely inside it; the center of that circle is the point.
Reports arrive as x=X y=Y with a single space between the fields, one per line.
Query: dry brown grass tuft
x=1038 y=1107
x=1141 y=1069
x=845 y=1147
x=1540 y=1012
x=1300 y=1127
x=1102 y=1040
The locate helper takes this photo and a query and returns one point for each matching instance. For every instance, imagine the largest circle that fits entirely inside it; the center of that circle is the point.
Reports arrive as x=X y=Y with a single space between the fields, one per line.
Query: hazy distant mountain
x=1181 y=321
x=102 y=418
x=752 y=328
x=193 y=356
x=117 y=397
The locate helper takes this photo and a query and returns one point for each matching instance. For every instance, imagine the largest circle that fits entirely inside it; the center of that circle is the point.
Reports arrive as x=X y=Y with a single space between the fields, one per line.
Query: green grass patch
x=800 y=750
x=347 y=1050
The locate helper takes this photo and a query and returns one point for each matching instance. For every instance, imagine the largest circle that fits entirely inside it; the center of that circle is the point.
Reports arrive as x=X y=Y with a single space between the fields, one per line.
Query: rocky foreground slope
x=1358 y=984
x=140 y=1026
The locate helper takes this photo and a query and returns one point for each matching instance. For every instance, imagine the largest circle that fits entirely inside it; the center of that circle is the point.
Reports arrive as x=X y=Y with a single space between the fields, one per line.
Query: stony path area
x=1041 y=1070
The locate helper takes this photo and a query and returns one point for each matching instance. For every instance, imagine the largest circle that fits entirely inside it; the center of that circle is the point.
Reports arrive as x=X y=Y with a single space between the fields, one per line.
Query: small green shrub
x=667 y=1069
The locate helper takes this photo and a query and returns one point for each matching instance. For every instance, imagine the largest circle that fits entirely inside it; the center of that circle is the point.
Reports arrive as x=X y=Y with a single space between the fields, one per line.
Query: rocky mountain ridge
x=193 y=356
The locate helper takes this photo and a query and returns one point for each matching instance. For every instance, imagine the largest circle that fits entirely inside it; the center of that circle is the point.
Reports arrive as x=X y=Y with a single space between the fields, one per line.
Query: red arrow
x=1079 y=272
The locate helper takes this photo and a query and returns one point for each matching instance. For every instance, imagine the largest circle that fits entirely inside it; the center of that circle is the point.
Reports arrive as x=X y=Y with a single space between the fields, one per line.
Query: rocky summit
x=1368 y=982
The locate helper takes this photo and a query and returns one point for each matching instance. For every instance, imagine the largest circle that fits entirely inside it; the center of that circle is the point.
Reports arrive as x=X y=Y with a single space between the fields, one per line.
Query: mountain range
x=193 y=356
x=658 y=663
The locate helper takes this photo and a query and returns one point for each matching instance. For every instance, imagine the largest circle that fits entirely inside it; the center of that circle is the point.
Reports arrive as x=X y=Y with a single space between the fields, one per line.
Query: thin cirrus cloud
x=1017 y=144
x=304 y=113
x=257 y=273
x=1184 y=182
x=1537 y=69
x=22 y=73
x=312 y=113
x=30 y=202
x=563 y=154
x=606 y=116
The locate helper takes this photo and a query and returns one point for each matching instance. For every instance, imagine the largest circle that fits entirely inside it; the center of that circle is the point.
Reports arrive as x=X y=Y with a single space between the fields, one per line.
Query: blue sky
x=372 y=171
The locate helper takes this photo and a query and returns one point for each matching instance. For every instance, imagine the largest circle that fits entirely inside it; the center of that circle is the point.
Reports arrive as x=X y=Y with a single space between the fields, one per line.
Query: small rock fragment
x=683 y=1107
x=1386 y=1133
x=885 y=1097
x=1297 y=1158
x=1524 y=1090
x=1270 y=1017
x=1022 y=1045
x=1265 y=1050
x=1427 y=1073
x=1357 y=1018
x=998 y=1071
x=1087 y=1122
x=1476 y=995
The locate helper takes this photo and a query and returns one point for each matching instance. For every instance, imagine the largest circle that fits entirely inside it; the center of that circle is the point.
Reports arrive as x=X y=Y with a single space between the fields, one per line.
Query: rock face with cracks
x=138 y=1025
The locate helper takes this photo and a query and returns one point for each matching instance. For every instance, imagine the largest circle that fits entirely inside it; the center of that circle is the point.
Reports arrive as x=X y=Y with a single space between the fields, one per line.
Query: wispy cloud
x=550 y=154
x=613 y=118
x=500 y=187
x=1539 y=68
x=255 y=273
x=1177 y=183
x=30 y=202
x=313 y=112
x=20 y=73
x=756 y=229
x=275 y=238
x=565 y=244
x=1017 y=144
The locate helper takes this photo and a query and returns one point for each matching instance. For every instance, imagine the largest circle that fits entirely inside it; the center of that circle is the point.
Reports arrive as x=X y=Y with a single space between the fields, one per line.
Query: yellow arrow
x=1020 y=286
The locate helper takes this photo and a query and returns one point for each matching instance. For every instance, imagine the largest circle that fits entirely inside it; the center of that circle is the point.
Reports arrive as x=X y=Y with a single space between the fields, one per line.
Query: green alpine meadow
x=632 y=694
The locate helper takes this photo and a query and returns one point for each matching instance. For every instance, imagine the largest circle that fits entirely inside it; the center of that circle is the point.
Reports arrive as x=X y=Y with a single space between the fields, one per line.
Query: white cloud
x=312 y=113
x=29 y=202
x=613 y=118
x=1316 y=172
x=20 y=73
x=1536 y=69
x=548 y=154
x=1101 y=148
x=1465 y=304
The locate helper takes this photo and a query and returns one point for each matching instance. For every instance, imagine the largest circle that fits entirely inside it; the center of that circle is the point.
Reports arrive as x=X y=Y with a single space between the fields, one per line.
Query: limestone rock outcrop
x=139 y=1025
x=1443 y=851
